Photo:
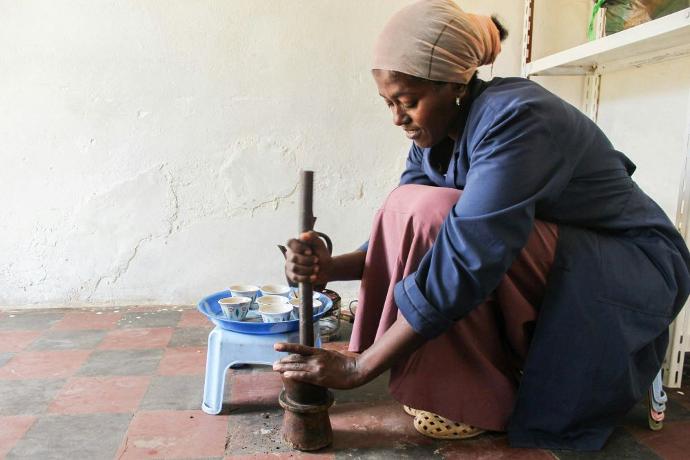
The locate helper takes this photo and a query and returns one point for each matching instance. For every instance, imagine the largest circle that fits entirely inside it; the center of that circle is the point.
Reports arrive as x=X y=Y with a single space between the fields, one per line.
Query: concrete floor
x=105 y=384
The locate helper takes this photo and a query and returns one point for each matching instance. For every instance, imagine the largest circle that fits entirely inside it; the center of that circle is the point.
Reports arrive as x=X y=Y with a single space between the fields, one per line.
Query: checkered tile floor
x=127 y=384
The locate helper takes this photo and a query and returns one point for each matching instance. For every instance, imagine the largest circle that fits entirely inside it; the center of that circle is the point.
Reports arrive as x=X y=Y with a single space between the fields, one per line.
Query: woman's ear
x=460 y=90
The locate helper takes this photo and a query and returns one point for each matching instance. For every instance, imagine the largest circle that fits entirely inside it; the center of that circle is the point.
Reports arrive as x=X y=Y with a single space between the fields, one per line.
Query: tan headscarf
x=436 y=40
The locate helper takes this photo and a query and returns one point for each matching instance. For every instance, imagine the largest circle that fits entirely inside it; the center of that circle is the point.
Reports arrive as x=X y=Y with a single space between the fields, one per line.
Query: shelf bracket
x=527 y=28
x=593 y=78
x=591 y=95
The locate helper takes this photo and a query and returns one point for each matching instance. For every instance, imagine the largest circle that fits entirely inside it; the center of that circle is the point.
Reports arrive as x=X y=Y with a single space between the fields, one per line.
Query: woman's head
x=436 y=40
x=426 y=55
x=426 y=110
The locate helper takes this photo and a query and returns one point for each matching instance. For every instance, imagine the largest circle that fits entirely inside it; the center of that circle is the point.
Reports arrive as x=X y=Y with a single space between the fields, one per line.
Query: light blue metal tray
x=252 y=324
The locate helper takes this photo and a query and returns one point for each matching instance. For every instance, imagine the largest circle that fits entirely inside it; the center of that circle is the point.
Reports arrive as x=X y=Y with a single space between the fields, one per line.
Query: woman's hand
x=317 y=366
x=307 y=260
x=331 y=369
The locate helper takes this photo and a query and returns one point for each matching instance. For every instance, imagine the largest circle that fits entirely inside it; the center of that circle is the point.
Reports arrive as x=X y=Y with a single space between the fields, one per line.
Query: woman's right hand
x=307 y=259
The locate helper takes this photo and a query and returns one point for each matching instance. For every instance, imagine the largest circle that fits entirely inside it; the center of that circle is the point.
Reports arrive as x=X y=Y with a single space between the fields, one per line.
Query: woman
x=505 y=185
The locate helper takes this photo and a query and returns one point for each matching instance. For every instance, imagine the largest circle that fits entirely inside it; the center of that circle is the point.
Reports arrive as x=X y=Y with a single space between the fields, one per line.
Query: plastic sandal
x=410 y=411
x=437 y=427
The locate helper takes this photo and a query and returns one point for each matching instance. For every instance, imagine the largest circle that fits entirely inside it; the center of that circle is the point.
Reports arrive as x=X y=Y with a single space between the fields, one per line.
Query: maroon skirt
x=470 y=373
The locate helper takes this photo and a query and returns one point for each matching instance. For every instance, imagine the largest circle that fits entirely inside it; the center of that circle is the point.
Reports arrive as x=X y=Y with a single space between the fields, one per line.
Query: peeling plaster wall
x=150 y=149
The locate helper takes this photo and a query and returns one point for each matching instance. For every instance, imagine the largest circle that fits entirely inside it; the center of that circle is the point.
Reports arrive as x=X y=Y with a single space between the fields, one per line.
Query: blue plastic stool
x=228 y=348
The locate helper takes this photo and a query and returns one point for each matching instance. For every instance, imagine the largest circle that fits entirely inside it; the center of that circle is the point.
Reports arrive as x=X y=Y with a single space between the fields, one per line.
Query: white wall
x=645 y=113
x=150 y=149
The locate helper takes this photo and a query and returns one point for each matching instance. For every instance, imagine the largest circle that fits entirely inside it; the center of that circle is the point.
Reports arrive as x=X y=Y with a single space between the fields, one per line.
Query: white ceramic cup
x=316 y=305
x=235 y=308
x=245 y=290
x=294 y=294
x=271 y=300
x=275 y=289
x=275 y=312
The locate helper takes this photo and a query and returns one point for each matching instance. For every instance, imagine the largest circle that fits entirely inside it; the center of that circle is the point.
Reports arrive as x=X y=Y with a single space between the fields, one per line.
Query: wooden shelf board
x=654 y=41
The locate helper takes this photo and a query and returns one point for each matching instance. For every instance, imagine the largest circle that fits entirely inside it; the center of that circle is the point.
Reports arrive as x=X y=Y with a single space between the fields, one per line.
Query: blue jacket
x=620 y=276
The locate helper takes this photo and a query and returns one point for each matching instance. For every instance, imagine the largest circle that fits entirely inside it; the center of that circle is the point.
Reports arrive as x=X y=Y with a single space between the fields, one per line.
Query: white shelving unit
x=652 y=42
x=656 y=41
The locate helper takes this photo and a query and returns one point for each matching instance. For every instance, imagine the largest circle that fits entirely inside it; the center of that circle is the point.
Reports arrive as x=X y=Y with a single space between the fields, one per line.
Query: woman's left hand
x=321 y=367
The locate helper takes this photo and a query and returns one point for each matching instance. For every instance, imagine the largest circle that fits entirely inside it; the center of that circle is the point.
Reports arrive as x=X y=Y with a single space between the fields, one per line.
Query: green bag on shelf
x=623 y=14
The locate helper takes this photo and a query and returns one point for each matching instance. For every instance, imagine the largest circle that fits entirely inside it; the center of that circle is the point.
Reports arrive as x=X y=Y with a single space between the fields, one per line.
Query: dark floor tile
x=150 y=319
x=190 y=337
x=638 y=418
x=66 y=340
x=174 y=393
x=680 y=396
x=400 y=451
x=256 y=433
x=31 y=321
x=4 y=357
x=73 y=436
x=670 y=443
x=376 y=390
x=621 y=446
x=27 y=397
x=194 y=318
x=292 y=455
x=122 y=362
x=488 y=446
x=374 y=425
x=675 y=411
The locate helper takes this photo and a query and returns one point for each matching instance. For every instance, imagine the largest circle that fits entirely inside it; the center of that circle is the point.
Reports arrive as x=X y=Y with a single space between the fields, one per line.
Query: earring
x=457 y=101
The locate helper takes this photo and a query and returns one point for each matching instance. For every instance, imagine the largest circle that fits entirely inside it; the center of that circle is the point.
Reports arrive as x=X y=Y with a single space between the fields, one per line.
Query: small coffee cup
x=294 y=294
x=244 y=290
x=316 y=305
x=275 y=312
x=271 y=299
x=275 y=289
x=235 y=308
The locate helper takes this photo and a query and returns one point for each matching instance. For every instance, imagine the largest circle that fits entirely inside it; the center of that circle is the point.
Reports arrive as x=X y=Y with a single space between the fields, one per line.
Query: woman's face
x=426 y=111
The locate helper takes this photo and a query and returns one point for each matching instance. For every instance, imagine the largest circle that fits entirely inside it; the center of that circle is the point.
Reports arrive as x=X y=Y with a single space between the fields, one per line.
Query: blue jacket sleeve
x=514 y=163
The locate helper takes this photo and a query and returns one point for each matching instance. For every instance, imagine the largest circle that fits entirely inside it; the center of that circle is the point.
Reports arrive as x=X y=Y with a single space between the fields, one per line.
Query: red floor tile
x=14 y=341
x=151 y=308
x=125 y=339
x=13 y=429
x=183 y=361
x=680 y=395
x=174 y=434
x=257 y=388
x=44 y=364
x=283 y=456
x=671 y=443
x=194 y=318
x=90 y=395
x=379 y=424
x=489 y=446
x=88 y=320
